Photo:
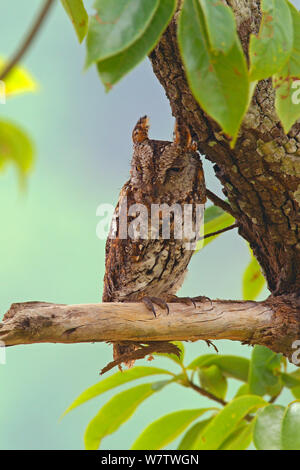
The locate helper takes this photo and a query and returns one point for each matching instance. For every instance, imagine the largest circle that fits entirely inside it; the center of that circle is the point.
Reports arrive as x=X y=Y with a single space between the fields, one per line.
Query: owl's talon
x=149 y=304
x=189 y=300
x=149 y=301
x=181 y=300
x=203 y=298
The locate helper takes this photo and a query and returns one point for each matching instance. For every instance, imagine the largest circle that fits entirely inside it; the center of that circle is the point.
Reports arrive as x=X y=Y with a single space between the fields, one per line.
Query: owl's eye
x=176 y=170
x=138 y=168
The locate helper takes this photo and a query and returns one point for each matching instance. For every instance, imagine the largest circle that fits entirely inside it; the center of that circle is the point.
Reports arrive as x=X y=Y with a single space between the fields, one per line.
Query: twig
x=273 y=399
x=161 y=347
x=203 y=392
x=213 y=397
x=219 y=202
x=209 y=395
x=27 y=40
x=226 y=229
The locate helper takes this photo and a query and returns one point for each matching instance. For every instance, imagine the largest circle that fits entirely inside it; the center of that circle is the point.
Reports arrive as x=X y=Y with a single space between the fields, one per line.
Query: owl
x=156 y=222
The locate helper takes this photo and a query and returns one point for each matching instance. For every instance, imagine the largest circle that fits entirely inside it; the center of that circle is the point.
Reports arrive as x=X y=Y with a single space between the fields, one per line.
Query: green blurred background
x=48 y=245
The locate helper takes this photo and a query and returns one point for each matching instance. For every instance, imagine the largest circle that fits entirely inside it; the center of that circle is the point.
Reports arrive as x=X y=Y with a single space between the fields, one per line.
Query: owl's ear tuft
x=182 y=135
x=140 y=132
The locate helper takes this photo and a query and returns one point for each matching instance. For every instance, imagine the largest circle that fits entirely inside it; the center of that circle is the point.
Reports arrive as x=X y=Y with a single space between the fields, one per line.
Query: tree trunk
x=261 y=176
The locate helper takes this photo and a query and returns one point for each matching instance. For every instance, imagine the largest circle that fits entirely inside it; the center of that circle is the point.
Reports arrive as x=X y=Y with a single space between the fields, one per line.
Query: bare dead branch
x=162 y=347
x=274 y=323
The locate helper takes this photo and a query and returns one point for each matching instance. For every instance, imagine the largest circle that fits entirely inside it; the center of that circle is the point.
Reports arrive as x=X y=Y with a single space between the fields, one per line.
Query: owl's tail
x=121 y=349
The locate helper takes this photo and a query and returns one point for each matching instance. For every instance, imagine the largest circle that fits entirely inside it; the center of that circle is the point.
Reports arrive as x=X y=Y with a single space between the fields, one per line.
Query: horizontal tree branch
x=274 y=323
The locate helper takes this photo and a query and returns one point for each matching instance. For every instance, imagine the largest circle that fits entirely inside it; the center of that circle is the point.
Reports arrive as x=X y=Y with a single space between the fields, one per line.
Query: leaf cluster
x=251 y=416
x=123 y=32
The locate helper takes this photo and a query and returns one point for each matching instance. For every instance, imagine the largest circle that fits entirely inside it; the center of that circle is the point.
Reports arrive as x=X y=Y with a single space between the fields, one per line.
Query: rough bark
x=261 y=176
x=273 y=323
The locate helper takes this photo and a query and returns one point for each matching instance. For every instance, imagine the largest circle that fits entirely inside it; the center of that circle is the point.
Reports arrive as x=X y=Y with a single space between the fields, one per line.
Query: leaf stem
x=206 y=394
x=28 y=39
x=209 y=395
x=273 y=399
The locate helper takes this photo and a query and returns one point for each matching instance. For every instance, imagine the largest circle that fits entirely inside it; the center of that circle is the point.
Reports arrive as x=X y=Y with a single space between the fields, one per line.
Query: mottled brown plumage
x=161 y=173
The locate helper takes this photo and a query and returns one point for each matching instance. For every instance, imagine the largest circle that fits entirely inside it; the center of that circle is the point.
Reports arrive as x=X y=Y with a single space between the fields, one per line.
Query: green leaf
x=78 y=15
x=287 y=80
x=224 y=423
x=231 y=366
x=187 y=442
x=211 y=75
x=159 y=433
x=114 y=413
x=18 y=81
x=267 y=428
x=253 y=280
x=202 y=360
x=289 y=380
x=212 y=380
x=15 y=147
x=290 y=431
x=160 y=384
x=295 y=375
x=243 y=390
x=213 y=212
x=264 y=373
x=271 y=49
x=113 y=69
x=296 y=392
x=277 y=428
x=116 y=26
x=239 y=439
x=115 y=380
x=220 y=25
x=214 y=224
